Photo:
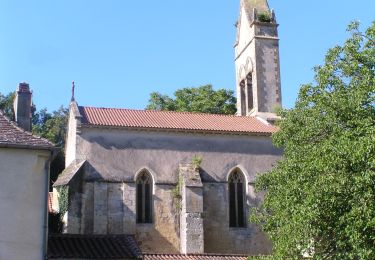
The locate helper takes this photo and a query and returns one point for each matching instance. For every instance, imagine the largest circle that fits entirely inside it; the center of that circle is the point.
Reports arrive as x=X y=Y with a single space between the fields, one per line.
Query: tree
x=6 y=104
x=320 y=197
x=202 y=99
x=51 y=126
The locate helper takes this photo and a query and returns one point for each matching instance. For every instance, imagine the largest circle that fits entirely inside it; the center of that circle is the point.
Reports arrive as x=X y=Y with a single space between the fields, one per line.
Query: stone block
x=194 y=199
x=100 y=208
x=115 y=208
x=87 y=221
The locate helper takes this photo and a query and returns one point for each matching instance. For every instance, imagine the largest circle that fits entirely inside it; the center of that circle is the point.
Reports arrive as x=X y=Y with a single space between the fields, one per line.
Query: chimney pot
x=23 y=87
x=22 y=106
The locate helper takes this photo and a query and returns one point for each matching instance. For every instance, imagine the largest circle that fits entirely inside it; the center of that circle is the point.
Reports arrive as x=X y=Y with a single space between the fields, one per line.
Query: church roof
x=67 y=175
x=74 y=246
x=169 y=120
x=13 y=136
x=193 y=257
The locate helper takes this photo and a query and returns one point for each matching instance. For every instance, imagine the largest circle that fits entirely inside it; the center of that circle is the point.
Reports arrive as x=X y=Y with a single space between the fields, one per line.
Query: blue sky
x=118 y=51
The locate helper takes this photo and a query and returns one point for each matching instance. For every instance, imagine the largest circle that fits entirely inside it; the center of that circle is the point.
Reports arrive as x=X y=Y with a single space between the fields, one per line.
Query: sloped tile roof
x=76 y=246
x=173 y=120
x=50 y=202
x=193 y=257
x=69 y=172
x=14 y=136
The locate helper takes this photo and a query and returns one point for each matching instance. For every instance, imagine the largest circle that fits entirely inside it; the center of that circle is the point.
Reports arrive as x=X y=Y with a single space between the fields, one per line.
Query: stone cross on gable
x=73 y=86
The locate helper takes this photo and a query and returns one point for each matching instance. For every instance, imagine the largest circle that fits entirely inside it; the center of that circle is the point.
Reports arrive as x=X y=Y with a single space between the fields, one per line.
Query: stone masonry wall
x=162 y=235
x=218 y=236
x=109 y=208
x=113 y=157
x=191 y=224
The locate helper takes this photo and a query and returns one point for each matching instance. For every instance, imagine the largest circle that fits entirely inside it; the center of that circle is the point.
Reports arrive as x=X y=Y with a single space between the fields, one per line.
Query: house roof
x=193 y=257
x=13 y=136
x=73 y=246
x=69 y=172
x=169 y=120
x=50 y=203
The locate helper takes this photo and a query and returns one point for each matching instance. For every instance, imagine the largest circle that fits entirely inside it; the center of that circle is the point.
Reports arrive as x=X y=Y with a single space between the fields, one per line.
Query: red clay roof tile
x=50 y=202
x=76 y=246
x=173 y=120
x=193 y=257
x=12 y=135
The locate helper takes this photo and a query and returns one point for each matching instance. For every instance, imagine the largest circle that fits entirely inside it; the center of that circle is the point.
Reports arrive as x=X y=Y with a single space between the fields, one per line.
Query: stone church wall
x=219 y=237
x=109 y=208
x=104 y=197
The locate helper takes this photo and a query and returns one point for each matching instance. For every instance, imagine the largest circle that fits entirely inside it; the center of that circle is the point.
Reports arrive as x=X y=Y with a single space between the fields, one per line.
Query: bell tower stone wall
x=257 y=60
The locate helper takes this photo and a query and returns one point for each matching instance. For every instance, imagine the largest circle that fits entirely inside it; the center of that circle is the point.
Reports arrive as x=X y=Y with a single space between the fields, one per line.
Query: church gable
x=243 y=31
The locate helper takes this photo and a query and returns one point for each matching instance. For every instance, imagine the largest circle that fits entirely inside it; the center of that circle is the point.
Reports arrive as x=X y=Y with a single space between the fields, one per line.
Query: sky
x=119 y=51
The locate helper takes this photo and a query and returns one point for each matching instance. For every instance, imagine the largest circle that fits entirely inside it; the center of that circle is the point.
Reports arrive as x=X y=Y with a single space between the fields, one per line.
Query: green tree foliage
x=6 y=104
x=201 y=99
x=51 y=126
x=320 y=197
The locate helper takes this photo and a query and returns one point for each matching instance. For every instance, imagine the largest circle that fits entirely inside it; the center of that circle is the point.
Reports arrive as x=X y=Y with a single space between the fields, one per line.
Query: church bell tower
x=257 y=61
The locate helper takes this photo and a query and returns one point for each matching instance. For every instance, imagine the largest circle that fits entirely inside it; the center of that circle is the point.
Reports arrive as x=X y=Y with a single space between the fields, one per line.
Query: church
x=180 y=183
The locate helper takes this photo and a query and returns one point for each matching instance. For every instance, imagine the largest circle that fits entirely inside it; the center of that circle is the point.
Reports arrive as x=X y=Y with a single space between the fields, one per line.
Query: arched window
x=144 y=197
x=237 y=190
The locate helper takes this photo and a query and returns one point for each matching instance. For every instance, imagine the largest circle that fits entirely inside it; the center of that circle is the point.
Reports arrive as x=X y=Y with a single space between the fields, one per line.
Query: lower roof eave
x=174 y=130
x=28 y=147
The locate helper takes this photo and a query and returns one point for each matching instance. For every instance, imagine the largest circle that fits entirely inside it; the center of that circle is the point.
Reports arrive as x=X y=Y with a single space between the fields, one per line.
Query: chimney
x=22 y=106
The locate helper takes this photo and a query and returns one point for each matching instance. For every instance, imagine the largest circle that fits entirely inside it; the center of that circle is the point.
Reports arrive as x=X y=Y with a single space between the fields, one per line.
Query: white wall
x=22 y=203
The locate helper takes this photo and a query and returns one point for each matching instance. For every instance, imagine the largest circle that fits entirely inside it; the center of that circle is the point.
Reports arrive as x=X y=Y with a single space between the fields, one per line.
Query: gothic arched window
x=236 y=183
x=144 y=197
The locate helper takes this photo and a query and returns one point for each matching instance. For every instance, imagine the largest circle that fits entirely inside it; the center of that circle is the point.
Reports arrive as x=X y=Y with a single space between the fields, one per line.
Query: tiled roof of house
x=92 y=247
x=193 y=257
x=50 y=202
x=174 y=120
x=13 y=136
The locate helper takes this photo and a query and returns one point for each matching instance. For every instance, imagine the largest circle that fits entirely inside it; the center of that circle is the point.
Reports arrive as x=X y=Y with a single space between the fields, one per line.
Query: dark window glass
x=236 y=199
x=249 y=85
x=232 y=208
x=243 y=98
x=144 y=198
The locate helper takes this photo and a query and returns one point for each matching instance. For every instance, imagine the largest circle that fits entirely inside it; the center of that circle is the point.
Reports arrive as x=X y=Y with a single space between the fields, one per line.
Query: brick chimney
x=22 y=106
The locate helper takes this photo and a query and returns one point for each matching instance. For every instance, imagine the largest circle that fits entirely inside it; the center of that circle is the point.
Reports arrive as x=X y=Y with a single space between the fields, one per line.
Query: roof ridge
x=166 y=111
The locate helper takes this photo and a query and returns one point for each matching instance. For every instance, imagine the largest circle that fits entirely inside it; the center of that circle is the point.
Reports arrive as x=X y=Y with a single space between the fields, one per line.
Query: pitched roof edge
x=75 y=109
x=50 y=145
x=68 y=173
x=177 y=130
x=29 y=147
